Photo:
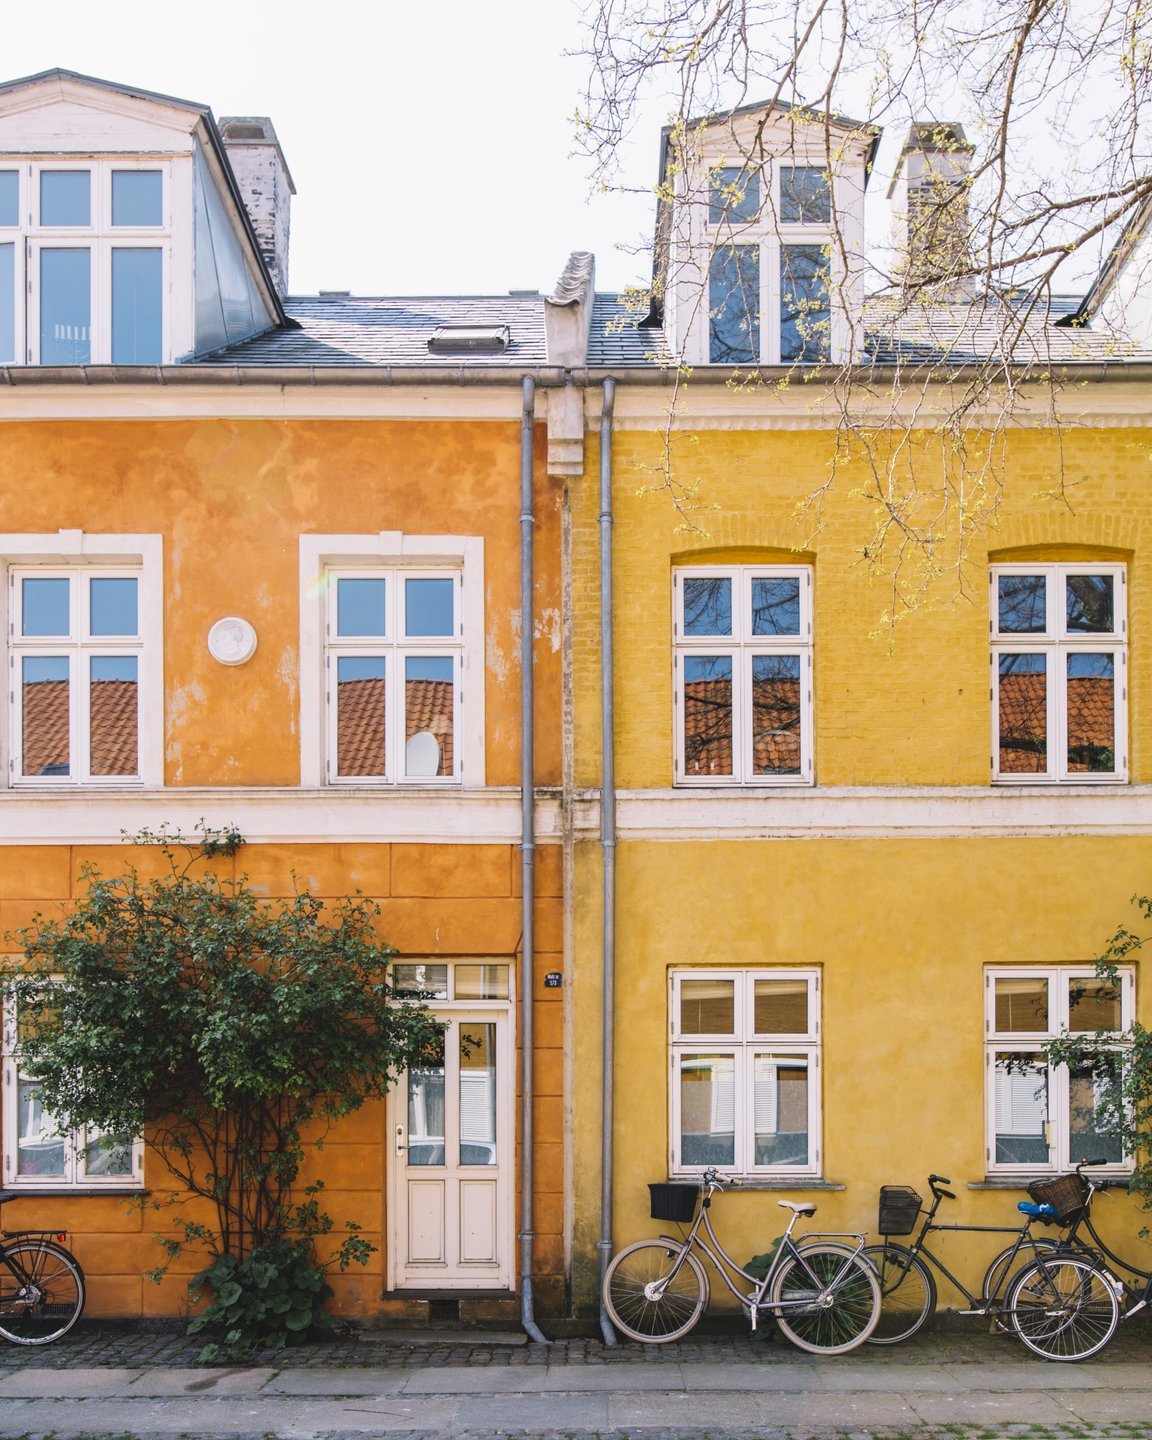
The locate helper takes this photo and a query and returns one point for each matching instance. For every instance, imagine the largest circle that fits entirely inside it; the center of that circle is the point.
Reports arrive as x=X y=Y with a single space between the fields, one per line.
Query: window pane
x=1086 y=1095
x=707 y=1007
x=428 y=694
x=46 y=715
x=707 y=1110
x=431 y=980
x=429 y=606
x=108 y=1155
x=1023 y=608
x=65 y=197
x=1021 y=1005
x=805 y=316
x=360 y=607
x=776 y=715
x=1093 y=1005
x=426 y=1106
x=1090 y=605
x=137 y=197
x=113 y=701
x=776 y=605
x=39 y=1149
x=734 y=305
x=780 y=1106
x=805 y=195
x=478 y=1094
x=360 y=697
x=44 y=607
x=734 y=195
x=1023 y=714
x=1021 y=1110
x=708 y=715
x=65 y=307
x=7 y=304
x=481 y=982
x=1091 y=714
x=9 y=197
x=137 y=307
x=781 y=1007
x=112 y=605
x=707 y=605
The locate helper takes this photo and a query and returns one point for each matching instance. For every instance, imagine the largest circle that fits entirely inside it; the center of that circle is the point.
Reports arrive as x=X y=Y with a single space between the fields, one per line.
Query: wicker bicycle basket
x=899 y=1207
x=674 y=1202
x=1067 y=1194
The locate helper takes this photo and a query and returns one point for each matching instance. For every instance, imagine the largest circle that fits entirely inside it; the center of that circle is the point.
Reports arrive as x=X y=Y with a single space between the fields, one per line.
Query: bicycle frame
x=754 y=1301
x=1073 y=1241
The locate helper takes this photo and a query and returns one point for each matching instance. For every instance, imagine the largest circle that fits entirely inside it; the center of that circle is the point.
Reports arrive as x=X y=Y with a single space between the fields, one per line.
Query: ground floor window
x=1042 y=1116
x=745 y=1058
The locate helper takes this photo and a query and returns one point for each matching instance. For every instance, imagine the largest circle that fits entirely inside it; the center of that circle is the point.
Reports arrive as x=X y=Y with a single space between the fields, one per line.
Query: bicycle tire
x=844 y=1295
x=998 y=1282
x=670 y=1312
x=907 y=1293
x=44 y=1300
x=1064 y=1308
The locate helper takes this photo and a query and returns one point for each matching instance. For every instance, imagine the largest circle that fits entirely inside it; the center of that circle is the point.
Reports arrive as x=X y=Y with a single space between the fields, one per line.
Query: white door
x=451 y=1196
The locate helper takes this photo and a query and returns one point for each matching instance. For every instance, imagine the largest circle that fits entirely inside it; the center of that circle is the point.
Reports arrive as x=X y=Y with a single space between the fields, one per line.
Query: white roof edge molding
x=183 y=120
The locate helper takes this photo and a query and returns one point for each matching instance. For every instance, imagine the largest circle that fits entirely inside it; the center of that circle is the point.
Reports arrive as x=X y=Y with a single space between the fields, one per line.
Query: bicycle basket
x=899 y=1207
x=1067 y=1194
x=674 y=1202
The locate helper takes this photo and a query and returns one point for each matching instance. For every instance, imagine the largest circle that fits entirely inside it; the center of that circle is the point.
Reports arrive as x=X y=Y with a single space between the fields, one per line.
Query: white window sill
x=768 y=1182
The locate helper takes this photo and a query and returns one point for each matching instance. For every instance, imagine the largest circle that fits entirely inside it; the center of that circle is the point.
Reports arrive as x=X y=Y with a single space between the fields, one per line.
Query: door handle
x=400 y=1145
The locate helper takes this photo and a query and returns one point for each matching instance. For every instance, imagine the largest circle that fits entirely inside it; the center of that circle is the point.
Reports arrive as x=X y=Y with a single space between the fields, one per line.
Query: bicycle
x=1061 y=1306
x=41 y=1286
x=821 y=1294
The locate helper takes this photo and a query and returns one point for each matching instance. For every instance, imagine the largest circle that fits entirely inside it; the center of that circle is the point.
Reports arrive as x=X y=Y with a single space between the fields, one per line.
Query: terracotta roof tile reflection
x=360 y=734
x=113 y=721
x=1091 y=724
x=775 y=727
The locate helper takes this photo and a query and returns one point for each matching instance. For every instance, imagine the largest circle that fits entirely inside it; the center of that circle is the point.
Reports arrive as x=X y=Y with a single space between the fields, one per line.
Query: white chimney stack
x=929 y=194
x=265 y=185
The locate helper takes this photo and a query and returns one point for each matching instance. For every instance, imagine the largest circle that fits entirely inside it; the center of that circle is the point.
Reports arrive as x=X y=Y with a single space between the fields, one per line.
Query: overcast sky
x=430 y=145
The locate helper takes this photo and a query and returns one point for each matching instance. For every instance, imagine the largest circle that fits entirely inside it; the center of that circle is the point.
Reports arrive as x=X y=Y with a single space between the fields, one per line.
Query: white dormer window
x=84 y=258
x=769 y=267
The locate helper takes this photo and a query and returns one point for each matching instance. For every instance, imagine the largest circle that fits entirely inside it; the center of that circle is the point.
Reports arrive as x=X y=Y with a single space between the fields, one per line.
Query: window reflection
x=707 y=1007
x=734 y=195
x=780 y=1104
x=137 y=197
x=1091 y=713
x=1088 y=1119
x=429 y=717
x=481 y=982
x=137 y=306
x=65 y=197
x=1023 y=604
x=360 y=696
x=44 y=606
x=776 y=605
x=46 y=715
x=360 y=606
x=429 y=606
x=7 y=304
x=707 y=605
x=65 y=307
x=707 y=1110
x=1023 y=711
x=1021 y=1005
x=776 y=714
x=113 y=608
x=805 y=315
x=478 y=1094
x=39 y=1143
x=805 y=195
x=1021 y=1102
x=426 y=1106
x=734 y=305
x=708 y=715
x=9 y=197
x=415 y=980
x=113 y=704
x=1089 y=603
x=781 y=1007
x=1093 y=1005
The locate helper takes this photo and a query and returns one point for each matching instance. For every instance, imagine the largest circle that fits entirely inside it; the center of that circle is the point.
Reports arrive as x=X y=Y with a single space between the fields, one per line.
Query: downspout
x=527 y=868
x=608 y=852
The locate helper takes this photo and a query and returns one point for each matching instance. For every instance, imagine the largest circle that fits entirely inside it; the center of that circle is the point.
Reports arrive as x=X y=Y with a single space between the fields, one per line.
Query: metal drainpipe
x=527 y=867
x=608 y=852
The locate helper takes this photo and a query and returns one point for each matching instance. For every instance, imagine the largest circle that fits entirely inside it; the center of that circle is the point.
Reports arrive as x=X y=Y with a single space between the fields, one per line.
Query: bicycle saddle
x=806 y=1209
x=1037 y=1212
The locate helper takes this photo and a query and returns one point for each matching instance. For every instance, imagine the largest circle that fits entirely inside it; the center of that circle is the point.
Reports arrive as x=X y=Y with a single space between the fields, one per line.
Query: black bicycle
x=41 y=1286
x=1061 y=1304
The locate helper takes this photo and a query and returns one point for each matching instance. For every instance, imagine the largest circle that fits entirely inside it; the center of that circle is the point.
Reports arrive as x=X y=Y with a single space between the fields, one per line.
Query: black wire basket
x=674 y=1202
x=899 y=1207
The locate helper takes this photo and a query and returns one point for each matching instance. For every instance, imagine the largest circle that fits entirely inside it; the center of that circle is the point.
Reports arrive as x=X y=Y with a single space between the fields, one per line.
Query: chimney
x=929 y=192
x=265 y=185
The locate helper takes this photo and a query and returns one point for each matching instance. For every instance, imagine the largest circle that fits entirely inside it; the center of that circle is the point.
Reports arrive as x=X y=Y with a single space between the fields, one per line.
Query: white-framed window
x=769 y=233
x=392 y=660
x=743 y=674
x=1042 y=1117
x=744 y=1083
x=84 y=629
x=85 y=256
x=39 y=1152
x=1059 y=681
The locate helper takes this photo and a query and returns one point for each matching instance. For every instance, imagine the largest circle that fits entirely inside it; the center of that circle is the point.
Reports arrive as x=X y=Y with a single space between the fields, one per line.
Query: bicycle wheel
x=653 y=1293
x=907 y=1293
x=1064 y=1308
x=832 y=1299
x=998 y=1277
x=41 y=1291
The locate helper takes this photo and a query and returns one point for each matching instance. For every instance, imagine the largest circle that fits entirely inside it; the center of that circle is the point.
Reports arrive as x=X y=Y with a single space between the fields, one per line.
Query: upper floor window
x=84 y=630
x=1043 y=1116
x=84 y=250
x=769 y=272
x=743 y=681
x=1059 y=672
x=745 y=1053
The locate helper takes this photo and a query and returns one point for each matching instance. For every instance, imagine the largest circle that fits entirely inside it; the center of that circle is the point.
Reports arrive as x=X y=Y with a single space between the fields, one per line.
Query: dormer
x=760 y=237
x=124 y=239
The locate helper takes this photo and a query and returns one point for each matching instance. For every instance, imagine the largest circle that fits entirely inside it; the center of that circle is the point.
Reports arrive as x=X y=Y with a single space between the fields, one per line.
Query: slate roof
x=337 y=330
